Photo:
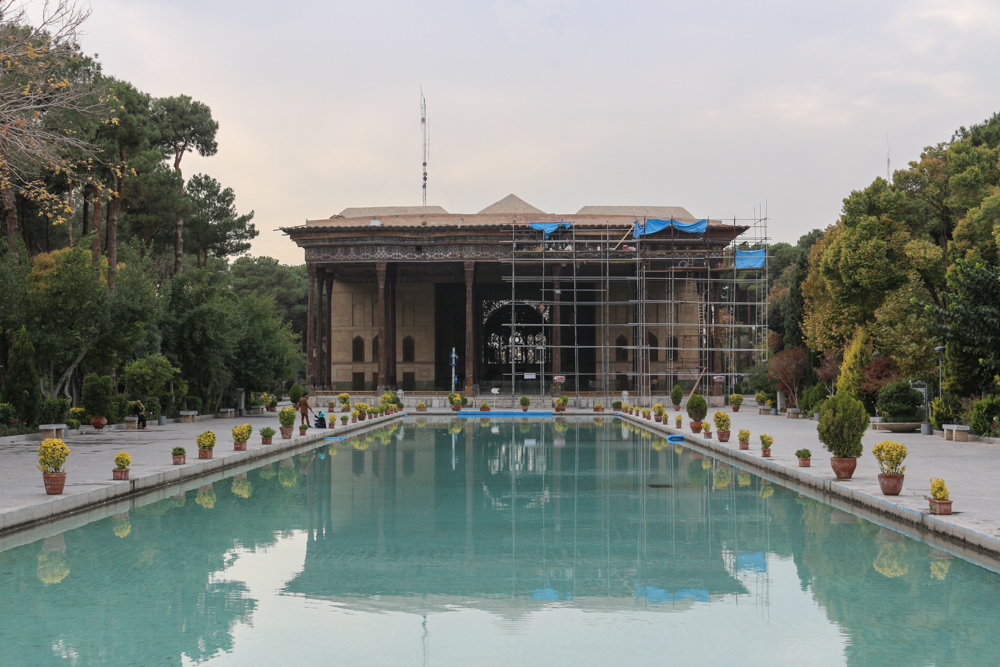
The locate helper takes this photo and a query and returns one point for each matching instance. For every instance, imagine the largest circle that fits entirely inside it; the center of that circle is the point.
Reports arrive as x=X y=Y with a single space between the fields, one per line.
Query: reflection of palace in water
x=511 y=513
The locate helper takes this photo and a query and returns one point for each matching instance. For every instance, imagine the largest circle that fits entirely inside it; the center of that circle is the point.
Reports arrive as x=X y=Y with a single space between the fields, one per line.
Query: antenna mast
x=423 y=129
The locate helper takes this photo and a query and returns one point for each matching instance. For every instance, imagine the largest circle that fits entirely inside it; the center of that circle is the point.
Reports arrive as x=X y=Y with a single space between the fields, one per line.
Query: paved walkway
x=970 y=470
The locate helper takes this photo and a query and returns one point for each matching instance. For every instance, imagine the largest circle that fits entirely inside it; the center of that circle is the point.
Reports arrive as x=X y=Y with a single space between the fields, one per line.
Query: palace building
x=606 y=299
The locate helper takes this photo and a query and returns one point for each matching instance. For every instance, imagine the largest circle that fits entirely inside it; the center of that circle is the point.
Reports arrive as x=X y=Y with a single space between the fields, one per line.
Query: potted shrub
x=678 y=421
x=765 y=445
x=940 y=504
x=736 y=400
x=240 y=436
x=842 y=423
x=761 y=399
x=744 y=438
x=697 y=408
x=900 y=406
x=345 y=402
x=354 y=416
x=616 y=405
x=647 y=413
x=343 y=419
x=180 y=456
x=52 y=453
x=96 y=396
x=771 y=407
x=722 y=424
x=484 y=407
x=598 y=407
x=706 y=429
x=206 y=443
x=286 y=419
x=658 y=411
x=266 y=434
x=303 y=428
x=272 y=404
x=122 y=462
x=804 y=456
x=890 y=456
x=561 y=403
x=676 y=396
x=421 y=407
x=362 y=409
x=455 y=400
x=525 y=402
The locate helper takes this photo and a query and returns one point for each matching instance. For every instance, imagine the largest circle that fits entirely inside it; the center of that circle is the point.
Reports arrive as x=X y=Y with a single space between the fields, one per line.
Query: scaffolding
x=663 y=309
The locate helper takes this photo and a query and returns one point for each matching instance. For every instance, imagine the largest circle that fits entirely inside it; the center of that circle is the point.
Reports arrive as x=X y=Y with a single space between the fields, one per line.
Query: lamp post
x=940 y=350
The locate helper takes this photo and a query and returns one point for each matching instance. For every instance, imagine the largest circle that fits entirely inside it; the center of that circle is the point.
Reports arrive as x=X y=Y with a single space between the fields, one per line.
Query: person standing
x=304 y=408
x=139 y=411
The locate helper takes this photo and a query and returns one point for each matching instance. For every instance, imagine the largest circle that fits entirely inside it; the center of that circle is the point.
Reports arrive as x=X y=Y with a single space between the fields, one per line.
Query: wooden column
x=391 y=312
x=328 y=332
x=556 y=327
x=320 y=326
x=383 y=326
x=310 y=324
x=470 y=271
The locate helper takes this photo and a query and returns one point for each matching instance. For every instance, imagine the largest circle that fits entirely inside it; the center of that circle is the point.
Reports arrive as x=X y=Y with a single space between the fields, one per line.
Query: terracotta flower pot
x=455 y=407
x=302 y=431
x=940 y=506
x=560 y=408
x=265 y=441
x=362 y=416
x=54 y=482
x=744 y=445
x=99 y=422
x=891 y=485
x=240 y=446
x=696 y=427
x=736 y=408
x=707 y=435
x=724 y=436
x=677 y=408
x=805 y=463
x=354 y=420
x=421 y=409
x=119 y=474
x=180 y=460
x=658 y=418
x=843 y=468
x=286 y=432
x=766 y=453
x=598 y=409
x=486 y=409
x=204 y=453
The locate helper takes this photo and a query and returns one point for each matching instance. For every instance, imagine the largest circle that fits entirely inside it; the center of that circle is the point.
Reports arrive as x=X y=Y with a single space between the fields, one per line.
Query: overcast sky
x=716 y=106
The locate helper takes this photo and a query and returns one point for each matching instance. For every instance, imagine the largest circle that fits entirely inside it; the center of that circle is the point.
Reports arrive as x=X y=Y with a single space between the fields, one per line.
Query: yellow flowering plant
x=206 y=440
x=766 y=441
x=938 y=490
x=122 y=461
x=744 y=435
x=52 y=453
x=242 y=433
x=286 y=417
x=890 y=457
x=721 y=420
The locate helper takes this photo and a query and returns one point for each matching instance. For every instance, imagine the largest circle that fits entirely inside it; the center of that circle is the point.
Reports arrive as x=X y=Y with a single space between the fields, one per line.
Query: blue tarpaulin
x=751 y=259
x=653 y=226
x=549 y=227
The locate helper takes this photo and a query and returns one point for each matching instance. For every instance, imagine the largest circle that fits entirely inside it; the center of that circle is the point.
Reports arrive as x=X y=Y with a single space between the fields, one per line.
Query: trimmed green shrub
x=984 y=411
x=295 y=393
x=21 y=388
x=152 y=405
x=677 y=394
x=697 y=407
x=842 y=423
x=194 y=403
x=72 y=424
x=96 y=395
x=947 y=410
x=812 y=398
x=54 y=411
x=900 y=402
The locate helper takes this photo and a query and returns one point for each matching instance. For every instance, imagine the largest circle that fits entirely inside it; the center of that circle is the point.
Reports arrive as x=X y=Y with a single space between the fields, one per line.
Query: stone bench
x=131 y=423
x=188 y=416
x=257 y=410
x=956 y=432
x=227 y=413
x=763 y=411
x=52 y=431
x=793 y=413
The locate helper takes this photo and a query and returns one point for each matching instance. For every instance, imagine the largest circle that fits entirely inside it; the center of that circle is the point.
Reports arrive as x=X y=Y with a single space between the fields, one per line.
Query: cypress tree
x=21 y=387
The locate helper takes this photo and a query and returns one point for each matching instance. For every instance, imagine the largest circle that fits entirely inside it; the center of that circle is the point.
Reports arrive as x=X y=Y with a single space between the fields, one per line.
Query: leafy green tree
x=795 y=305
x=857 y=358
x=153 y=202
x=20 y=386
x=186 y=125
x=267 y=353
x=149 y=376
x=213 y=225
x=287 y=285
x=970 y=325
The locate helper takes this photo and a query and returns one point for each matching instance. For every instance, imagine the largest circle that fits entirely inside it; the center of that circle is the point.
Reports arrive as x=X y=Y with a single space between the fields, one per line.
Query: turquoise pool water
x=504 y=543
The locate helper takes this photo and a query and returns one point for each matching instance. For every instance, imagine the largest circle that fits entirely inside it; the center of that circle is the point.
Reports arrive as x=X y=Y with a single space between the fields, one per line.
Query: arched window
x=375 y=349
x=408 y=349
x=621 y=348
x=358 y=350
x=654 y=345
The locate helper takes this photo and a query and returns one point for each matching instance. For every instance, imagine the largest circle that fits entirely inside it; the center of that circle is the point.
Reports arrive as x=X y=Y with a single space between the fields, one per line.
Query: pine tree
x=21 y=387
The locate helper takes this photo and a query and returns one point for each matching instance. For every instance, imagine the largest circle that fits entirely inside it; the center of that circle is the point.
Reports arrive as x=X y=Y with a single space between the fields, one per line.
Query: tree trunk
x=69 y=223
x=10 y=214
x=85 y=225
x=118 y=181
x=95 y=248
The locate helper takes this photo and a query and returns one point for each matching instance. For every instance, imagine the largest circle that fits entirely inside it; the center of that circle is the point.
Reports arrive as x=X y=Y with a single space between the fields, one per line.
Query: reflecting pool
x=493 y=542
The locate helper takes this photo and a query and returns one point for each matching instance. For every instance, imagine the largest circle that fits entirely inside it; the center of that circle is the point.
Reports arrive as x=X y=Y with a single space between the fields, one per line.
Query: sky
x=725 y=108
